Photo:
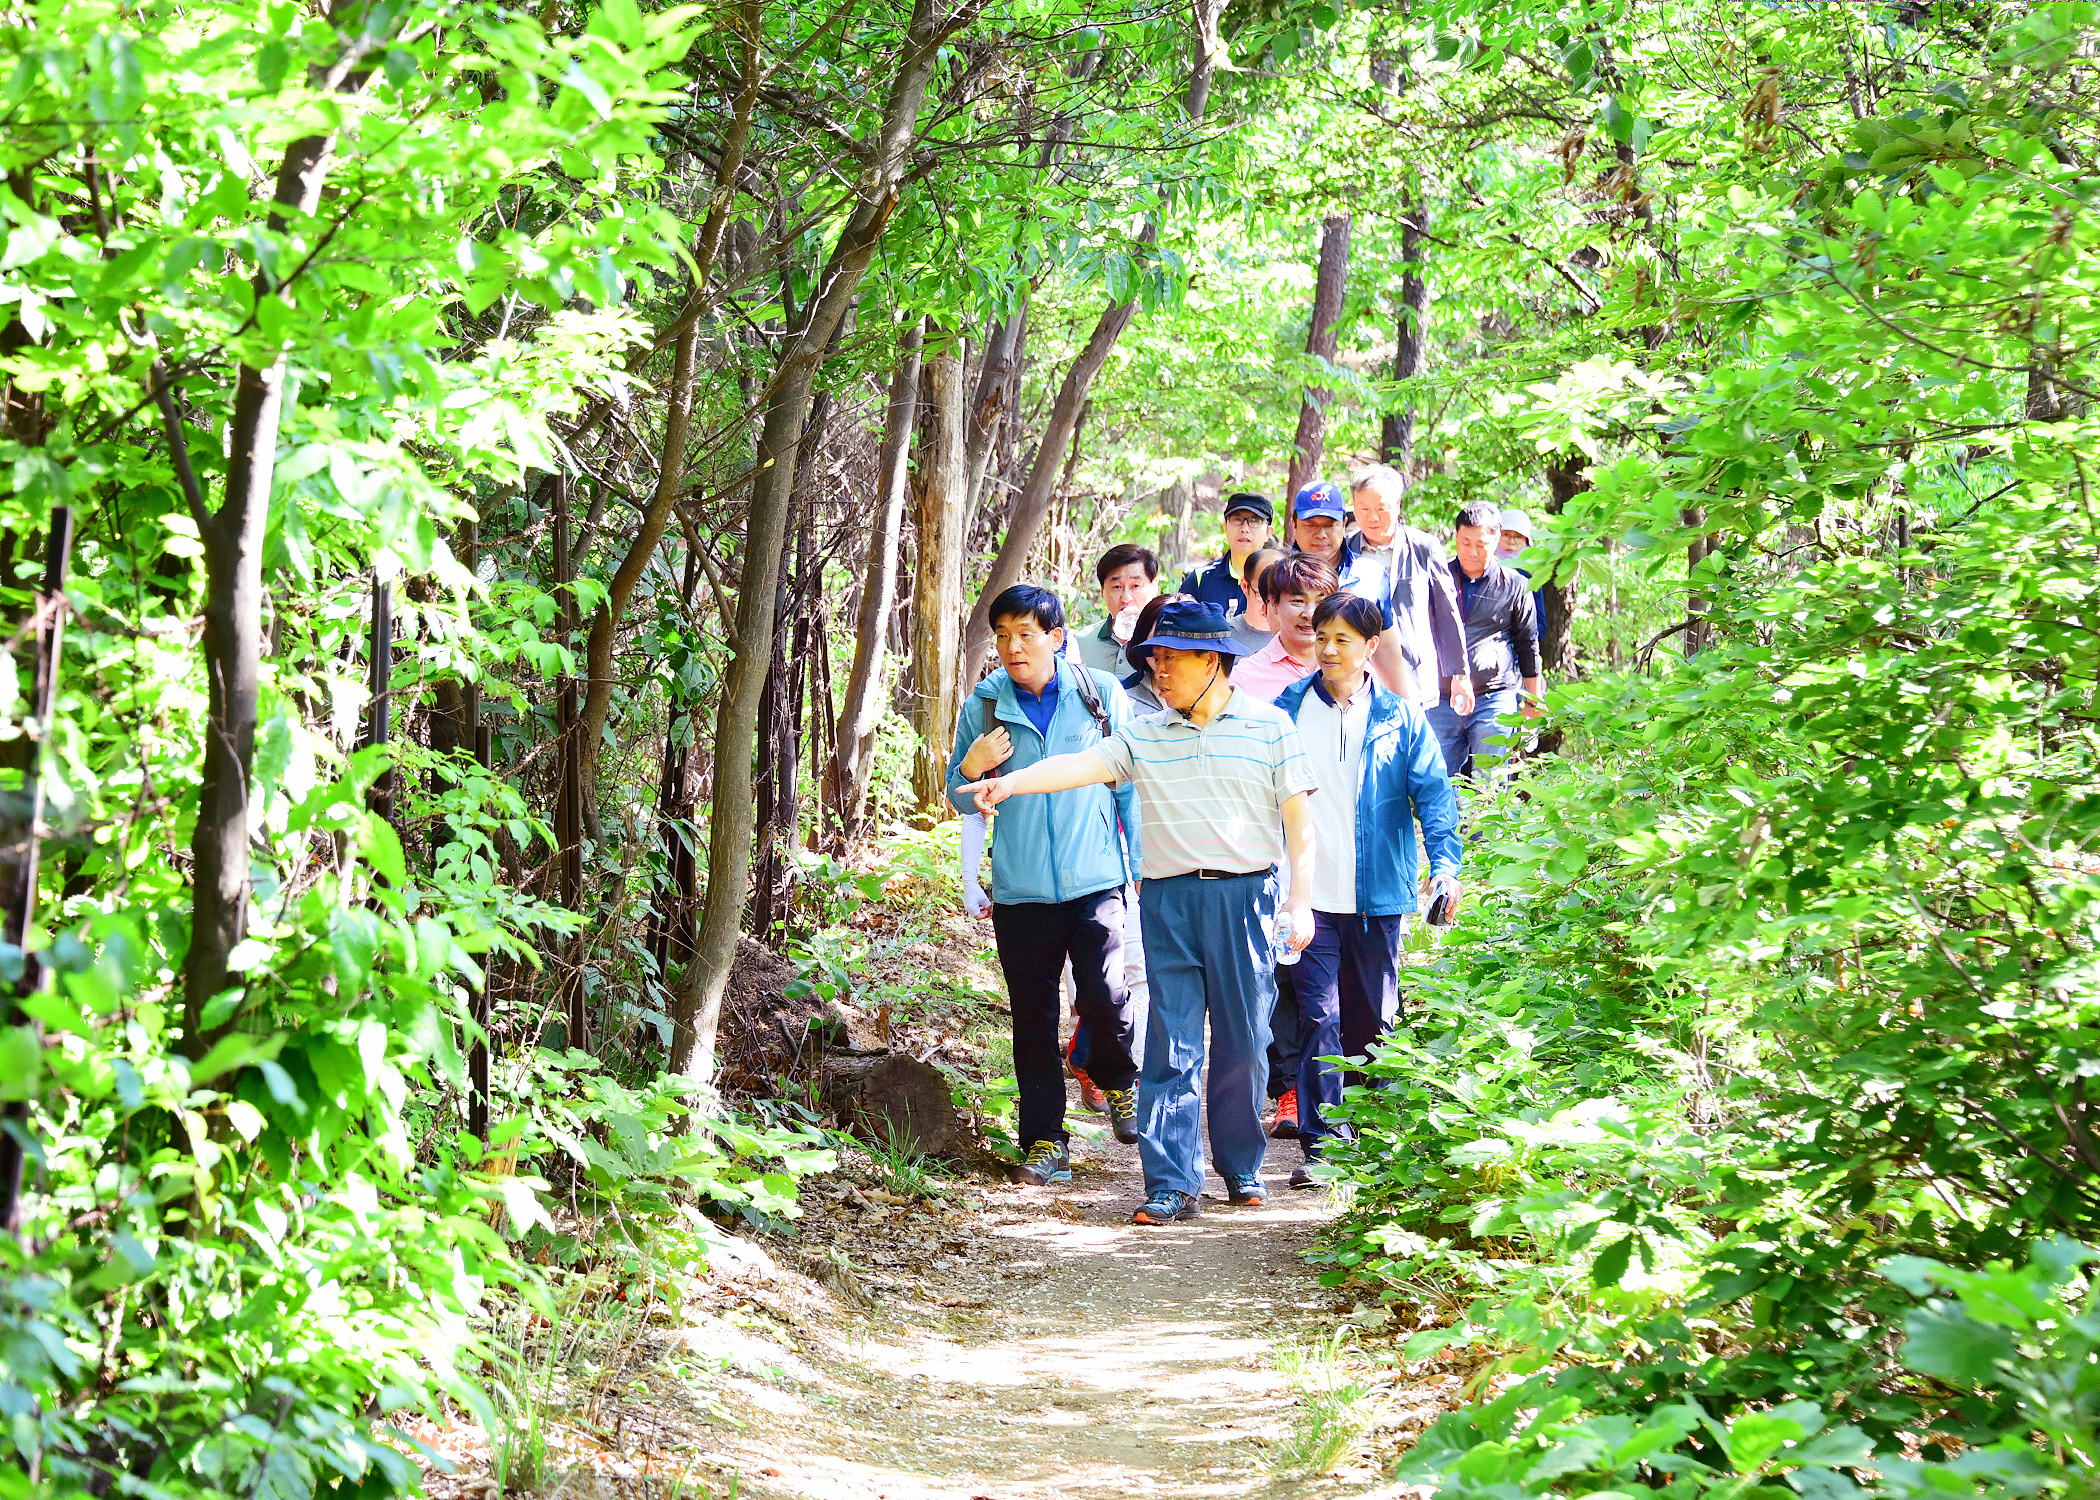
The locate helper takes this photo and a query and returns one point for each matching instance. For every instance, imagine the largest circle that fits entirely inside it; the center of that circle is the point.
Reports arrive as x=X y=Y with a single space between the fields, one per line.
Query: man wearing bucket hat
x=1225 y=784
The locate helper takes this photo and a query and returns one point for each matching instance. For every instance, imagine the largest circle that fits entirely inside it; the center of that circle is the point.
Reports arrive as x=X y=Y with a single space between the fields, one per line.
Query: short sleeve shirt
x=1213 y=796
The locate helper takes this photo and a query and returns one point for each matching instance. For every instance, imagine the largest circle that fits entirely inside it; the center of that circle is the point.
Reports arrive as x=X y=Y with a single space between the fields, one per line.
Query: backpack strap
x=1090 y=695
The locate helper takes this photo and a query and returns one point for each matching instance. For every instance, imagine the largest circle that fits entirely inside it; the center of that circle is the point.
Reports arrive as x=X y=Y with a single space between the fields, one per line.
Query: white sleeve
x=974 y=829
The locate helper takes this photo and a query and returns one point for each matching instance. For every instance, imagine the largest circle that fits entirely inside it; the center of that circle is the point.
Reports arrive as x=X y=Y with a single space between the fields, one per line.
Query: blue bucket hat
x=1191 y=625
x=1321 y=498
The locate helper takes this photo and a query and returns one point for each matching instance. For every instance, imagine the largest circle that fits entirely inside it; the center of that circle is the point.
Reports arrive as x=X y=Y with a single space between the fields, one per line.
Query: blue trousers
x=1209 y=950
x=1481 y=737
x=1348 y=997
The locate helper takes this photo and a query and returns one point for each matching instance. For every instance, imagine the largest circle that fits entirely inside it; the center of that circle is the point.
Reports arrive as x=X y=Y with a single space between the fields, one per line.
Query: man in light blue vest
x=1059 y=867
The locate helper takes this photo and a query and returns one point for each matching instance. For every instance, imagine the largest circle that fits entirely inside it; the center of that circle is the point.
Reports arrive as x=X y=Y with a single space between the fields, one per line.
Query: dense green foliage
x=1783 y=995
x=1742 y=1131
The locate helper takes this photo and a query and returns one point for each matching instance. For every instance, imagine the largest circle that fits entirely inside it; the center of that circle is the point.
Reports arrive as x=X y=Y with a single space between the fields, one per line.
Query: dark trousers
x=1035 y=940
x=1348 y=997
x=1283 y=1033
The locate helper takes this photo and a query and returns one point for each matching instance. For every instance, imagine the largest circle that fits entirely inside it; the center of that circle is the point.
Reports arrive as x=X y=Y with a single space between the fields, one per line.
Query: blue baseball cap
x=1321 y=498
x=1191 y=625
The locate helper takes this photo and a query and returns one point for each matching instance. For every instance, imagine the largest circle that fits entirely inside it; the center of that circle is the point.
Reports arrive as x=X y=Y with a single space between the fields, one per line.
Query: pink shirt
x=1268 y=672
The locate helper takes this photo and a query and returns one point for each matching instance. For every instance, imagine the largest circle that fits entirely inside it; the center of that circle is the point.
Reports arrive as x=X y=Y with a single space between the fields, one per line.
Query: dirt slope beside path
x=1096 y=1360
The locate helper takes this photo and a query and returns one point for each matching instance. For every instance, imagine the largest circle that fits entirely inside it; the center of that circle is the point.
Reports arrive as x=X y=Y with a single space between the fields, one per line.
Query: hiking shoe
x=1283 y=1125
x=1089 y=1096
x=1122 y=1113
x=1048 y=1162
x=1302 y=1174
x=1246 y=1190
x=1164 y=1207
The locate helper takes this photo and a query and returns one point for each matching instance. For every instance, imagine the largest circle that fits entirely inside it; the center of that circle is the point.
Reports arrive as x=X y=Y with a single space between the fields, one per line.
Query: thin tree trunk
x=698 y=1007
x=990 y=405
x=1329 y=286
x=1695 y=635
x=937 y=585
x=847 y=784
x=671 y=928
x=233 y=546
x=1566 y=477
x=678 y=420
x=1397 y=435
x=1035 y=496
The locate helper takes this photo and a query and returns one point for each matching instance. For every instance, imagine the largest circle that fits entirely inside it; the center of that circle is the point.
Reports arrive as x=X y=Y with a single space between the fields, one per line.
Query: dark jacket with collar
x=1417 y=589
x=1502 y=636
x=1213 y=583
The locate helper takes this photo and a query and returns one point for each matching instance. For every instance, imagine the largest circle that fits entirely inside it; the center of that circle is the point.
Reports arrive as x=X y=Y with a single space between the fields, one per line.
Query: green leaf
x=21 y=1062
x=1954 y=1347
x=1609 y=1268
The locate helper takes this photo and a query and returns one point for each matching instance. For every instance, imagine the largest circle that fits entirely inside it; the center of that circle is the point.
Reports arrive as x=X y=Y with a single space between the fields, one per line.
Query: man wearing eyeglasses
x=1059 y=868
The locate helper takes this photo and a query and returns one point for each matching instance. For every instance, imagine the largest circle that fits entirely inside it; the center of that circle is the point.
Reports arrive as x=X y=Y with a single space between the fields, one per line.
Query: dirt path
x=1062 y=1353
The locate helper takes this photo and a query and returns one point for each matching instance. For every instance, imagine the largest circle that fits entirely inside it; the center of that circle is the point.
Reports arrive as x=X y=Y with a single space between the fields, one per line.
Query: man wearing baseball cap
x=1225 y=786
x=1319 y=513
x=1248 y=518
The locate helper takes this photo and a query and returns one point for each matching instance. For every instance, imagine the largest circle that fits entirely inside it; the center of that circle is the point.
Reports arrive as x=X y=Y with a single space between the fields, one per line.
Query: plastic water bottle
x=1284 y=955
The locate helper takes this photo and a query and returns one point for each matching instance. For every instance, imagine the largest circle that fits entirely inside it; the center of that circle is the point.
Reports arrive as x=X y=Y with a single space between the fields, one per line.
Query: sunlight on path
x=1112 y=1361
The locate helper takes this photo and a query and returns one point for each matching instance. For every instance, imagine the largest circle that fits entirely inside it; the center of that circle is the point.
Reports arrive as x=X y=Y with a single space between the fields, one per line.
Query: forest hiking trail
x=1106 y=1360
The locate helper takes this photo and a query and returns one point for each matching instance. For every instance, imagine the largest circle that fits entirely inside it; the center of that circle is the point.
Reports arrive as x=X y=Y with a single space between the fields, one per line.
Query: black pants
x=1035 y=939
x=1283 y=1034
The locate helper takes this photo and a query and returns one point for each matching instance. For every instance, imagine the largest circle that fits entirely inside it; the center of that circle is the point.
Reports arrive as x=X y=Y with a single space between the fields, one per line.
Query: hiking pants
x=1482 y=738
x=1284 y=1034
x=1209 y=953
x=1035 y=940
x=1349 y=997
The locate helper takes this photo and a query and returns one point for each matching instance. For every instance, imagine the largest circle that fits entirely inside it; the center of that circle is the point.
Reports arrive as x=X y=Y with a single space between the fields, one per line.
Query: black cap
x=1249 y=501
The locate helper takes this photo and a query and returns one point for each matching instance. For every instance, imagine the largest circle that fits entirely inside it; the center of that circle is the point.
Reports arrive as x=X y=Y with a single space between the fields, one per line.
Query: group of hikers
x=1256 y=761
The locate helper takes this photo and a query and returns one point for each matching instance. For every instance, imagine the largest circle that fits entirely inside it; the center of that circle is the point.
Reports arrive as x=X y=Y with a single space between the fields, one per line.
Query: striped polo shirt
x=1212 y=796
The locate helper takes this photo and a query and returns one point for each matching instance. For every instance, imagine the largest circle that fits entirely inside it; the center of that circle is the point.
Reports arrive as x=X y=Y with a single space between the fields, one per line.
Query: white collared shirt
x=1333 y=735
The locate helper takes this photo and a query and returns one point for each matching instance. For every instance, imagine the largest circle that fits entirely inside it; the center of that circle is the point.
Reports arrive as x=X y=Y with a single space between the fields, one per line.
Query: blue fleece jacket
x=1052 y=846
x=1403 y=780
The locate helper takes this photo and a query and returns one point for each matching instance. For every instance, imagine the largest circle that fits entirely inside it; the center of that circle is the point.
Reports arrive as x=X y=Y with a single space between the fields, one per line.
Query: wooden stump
x=896 y=1101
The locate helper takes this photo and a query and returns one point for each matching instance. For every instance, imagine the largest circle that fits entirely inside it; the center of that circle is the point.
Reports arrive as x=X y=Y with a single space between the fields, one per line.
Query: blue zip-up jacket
x=1403 y=780
x=1052 y=846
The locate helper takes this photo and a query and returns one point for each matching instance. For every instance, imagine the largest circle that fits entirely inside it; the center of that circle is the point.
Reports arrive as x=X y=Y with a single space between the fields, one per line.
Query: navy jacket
x=1213 y=583
x=1403 y=780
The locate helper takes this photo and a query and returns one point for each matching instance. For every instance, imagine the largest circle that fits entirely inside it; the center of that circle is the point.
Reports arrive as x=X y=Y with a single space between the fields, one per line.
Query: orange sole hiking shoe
x=1164 y=1207
x=1283 y=1125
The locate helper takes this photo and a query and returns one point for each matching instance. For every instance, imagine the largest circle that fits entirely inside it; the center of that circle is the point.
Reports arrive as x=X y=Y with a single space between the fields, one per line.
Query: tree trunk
x=847 y=785
x=1329 y=287
x=678 y=421
x=671 y=928
x=1695 y=633
x=232 y=643
x=1566 y=477
x=998 y=387
x=698 y=1007
x=937 y=585
x=1034 y=499
x=1397 y=435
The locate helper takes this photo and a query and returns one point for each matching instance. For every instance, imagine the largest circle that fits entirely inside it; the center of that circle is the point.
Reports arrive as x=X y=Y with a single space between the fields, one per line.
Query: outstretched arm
x=1060 y=773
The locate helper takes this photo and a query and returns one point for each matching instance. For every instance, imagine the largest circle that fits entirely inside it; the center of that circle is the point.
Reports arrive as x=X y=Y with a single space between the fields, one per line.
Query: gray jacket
x=1425 y=607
